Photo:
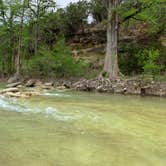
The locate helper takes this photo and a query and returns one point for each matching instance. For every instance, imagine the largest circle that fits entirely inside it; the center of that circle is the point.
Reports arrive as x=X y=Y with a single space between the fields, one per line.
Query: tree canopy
x=28 y=27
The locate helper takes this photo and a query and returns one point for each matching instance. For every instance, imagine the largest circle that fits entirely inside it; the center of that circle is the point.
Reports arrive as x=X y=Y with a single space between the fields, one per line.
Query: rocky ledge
x=120 y=86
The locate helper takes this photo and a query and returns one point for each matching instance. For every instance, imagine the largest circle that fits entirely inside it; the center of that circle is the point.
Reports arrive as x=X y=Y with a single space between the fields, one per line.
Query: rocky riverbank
x=120 y=86
x=131 y=86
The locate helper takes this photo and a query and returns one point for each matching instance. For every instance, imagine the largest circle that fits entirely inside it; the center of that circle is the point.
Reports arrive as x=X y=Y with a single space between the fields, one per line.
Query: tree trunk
x=37 y=27
x=36 y=37
x=18 y=57
x=18 y=63
x=111 y=59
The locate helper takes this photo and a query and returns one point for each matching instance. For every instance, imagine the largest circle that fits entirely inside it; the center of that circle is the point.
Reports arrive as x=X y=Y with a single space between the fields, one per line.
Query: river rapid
x=83 y=129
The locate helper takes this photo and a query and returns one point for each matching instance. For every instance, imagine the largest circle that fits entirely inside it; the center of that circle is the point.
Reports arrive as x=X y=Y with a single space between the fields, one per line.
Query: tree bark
x=37 y=26
x=36 y=37
x=18 y=57
x=111 y=59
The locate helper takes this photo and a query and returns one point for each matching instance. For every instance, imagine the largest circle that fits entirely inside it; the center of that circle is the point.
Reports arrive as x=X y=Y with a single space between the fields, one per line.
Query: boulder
x=16 y=95
x=46 y=87
x=38 y=83
x=49 y=84
x=30 y=83
x=60 y=87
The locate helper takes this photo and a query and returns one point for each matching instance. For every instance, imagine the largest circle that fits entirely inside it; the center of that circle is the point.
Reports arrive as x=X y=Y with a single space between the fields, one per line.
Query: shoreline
x=100 y=85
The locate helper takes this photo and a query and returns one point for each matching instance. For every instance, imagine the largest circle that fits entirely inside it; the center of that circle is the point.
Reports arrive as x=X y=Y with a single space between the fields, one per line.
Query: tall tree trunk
x=36 y=37
x=111 y=59
x=18 y=57
x=37 y=27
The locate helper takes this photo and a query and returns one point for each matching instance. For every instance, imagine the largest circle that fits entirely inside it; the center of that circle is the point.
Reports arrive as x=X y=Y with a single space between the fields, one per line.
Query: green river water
x=82 y=129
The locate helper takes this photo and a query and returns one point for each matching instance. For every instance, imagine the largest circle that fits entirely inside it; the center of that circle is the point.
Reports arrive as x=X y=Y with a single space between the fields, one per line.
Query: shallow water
x=82 y=129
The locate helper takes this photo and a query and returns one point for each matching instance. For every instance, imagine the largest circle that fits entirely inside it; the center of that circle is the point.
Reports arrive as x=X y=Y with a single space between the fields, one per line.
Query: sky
x=63 y=3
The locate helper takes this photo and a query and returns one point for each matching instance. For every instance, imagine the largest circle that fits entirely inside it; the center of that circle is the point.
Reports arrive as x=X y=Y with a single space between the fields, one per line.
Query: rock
x=16 y=95
x=49 y=84
x=13 y=90
x=144 y=90
x=67 y=84
x=13 y=79
x=38 y=83
x=60 y=87
x=30 y=83
x=156 y=89
x=29 y=94
x=100 y=89
x=20 y=86
x=46 y=87
x=12 y=85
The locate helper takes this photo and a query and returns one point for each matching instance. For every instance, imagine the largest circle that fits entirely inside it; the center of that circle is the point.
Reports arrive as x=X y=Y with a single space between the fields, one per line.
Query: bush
x=149 y=59
x=57 y=63
x=128 y=61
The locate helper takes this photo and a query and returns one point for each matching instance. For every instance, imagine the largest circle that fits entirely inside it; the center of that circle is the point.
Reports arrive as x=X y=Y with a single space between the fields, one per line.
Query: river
x=83 y=129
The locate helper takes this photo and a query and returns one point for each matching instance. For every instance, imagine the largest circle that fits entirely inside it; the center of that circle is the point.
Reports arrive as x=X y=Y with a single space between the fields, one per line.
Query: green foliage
x=151 y=11
x=27 y=26
x=128 y=61
x=76 y=15
x=56 y=63
x=149 y=58
x=99 y=10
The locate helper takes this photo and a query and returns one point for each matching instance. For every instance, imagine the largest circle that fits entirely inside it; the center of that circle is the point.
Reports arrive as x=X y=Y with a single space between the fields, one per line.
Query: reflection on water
x=72 y=128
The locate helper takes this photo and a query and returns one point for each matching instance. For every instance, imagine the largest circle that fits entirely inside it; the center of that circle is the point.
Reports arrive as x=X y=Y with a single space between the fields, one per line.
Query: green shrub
x=148 y=59
x=57 y=63
x=128 y=61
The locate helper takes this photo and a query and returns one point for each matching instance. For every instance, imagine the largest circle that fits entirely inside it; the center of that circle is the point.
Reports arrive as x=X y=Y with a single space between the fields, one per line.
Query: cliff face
x=94 y=35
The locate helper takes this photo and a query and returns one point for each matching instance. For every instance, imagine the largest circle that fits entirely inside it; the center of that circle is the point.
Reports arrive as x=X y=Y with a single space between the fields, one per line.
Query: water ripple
x=13 y=105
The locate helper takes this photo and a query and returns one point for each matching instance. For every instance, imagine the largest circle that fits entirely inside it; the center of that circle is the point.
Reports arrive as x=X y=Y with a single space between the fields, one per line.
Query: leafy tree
x=37 y=10
x=76 y=15
x=9 y=11
x=98 y=10
x=56 y=63
x=120 y=11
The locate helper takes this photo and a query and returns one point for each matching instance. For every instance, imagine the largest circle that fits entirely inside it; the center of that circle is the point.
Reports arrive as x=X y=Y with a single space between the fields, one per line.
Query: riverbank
x=101 y=85
x=120 y=86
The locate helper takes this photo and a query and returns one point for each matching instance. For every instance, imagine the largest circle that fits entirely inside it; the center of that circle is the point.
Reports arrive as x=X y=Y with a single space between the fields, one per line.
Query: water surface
x=82 y=129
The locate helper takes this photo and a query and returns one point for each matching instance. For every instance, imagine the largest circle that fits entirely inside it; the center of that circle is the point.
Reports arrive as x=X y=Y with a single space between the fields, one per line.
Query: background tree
x=8 y=16
x=33 y=27
x=120 y=11
x=76 y=15
x=37 y=10
x=98 y=9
